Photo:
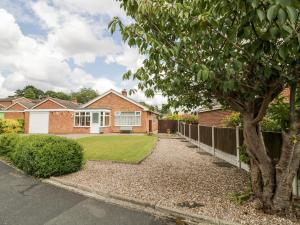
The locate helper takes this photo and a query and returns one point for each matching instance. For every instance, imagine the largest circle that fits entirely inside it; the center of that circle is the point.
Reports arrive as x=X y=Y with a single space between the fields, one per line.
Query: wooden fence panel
x=206 y=135
x=187 y=130
x=164 y=125
x=273 y=142
x=194 y=131
x=225 y=140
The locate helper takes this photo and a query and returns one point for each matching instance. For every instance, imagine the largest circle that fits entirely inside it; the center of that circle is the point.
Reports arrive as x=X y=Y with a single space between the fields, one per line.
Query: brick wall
x=17 y=107
x=213 y=118
x=115 y=104
x=14 y=115
x=26 y=122
x=49 y=105
x=61 y=122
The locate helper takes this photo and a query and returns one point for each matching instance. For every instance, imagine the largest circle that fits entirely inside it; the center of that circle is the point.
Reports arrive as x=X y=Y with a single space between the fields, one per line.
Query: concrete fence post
x=190 y=135
x=213 y=139
x=184 y=129
x=237 y=135
x=198 y=135
x=295 y=186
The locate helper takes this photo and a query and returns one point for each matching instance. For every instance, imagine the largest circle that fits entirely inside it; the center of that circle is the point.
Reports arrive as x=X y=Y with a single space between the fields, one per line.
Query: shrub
x=11 y=126
x=8 y=143
x=183 y=117
x=45 y=156
x=232 y=120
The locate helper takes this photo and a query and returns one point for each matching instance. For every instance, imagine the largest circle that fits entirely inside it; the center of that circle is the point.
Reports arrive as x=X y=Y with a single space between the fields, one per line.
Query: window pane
x=88 y=121
x=101 y=121
x=82 y=122
x=77 y=121
x=95 y=117
x=106 y=120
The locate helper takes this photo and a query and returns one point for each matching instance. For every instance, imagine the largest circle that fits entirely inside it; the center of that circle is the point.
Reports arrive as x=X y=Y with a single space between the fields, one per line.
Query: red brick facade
x=14 y=115
x=213 y=117
x=49 y=105
x=16 y=111
x=117 y=104
x=62 y=120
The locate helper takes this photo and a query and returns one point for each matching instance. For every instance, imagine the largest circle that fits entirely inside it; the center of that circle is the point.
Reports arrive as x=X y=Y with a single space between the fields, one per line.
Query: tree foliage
x=241 y=53
x=85 y=94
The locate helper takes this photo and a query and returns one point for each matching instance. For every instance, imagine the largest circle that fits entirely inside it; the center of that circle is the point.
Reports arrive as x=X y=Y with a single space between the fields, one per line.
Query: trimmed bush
x=8 y=143
x=11 y=126
x=45 y=156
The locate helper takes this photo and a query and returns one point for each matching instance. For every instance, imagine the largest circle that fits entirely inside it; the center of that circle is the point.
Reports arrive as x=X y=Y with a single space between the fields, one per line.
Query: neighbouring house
x=213 y=117
x=111 y=112
x=13 y=107
x=217 y=115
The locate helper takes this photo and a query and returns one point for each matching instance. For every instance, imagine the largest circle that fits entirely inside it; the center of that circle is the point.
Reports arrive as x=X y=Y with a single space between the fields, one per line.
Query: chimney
x=74 y=100
x=124 y=92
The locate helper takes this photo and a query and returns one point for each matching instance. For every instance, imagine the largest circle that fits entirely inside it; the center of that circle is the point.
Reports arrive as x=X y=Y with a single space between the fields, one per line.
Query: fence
x=165 y=125
x=225 y=144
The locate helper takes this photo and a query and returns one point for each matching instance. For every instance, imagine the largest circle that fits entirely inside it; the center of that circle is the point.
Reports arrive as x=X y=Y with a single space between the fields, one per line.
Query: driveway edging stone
x=149 y=207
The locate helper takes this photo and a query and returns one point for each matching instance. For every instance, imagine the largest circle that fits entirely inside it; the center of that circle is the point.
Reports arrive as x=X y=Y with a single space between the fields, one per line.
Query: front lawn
x=128 y=148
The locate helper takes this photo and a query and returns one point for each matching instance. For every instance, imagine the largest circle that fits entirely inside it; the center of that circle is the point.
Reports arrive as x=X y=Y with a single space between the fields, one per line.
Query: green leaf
x=254 y=3
x=274 y=32
x=292 y=13
x=261 y=15
x=283 y=52
x=288 y=29
x=281 y=16
x=298 y=36
x=272 y=12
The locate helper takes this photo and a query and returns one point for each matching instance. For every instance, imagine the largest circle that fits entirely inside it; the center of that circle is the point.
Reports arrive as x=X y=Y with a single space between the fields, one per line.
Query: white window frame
x=85 y=112
x=103 y=117
x=103 y=112
x=136 y=113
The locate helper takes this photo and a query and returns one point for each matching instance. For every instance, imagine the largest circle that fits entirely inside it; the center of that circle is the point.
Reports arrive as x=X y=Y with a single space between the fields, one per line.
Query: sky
x=65 y=45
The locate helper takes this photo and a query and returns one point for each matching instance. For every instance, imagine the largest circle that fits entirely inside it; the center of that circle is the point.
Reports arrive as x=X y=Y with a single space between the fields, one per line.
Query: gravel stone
x=175 y=173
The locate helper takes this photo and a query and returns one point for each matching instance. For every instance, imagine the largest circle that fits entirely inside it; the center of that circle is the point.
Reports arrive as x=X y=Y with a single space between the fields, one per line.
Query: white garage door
x=38 y=122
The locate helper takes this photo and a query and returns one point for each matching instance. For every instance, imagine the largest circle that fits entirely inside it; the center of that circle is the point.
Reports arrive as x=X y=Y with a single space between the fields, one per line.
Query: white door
x=95 y=127
x=38 y=122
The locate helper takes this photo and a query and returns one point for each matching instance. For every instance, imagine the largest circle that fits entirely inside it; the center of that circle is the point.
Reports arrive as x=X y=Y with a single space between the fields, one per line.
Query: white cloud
x=72 y=32
x=130 y=58
x=30 y=61
x=110 y=8
x=158 y=99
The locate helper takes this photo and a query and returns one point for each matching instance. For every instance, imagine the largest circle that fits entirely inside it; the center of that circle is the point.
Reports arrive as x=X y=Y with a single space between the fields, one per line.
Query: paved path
x=27 y=201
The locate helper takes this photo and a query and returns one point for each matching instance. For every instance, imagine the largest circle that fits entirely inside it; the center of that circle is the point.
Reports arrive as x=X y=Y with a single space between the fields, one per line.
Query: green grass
x=129 y=148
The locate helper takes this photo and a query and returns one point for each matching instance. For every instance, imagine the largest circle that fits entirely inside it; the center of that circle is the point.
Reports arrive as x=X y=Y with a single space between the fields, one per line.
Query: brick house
x=216 y=115
x=13 y=107
x=213 y=117
x=111 y=112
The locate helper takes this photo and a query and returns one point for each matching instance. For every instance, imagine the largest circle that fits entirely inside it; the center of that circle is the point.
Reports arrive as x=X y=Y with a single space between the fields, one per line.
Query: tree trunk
x=272 y=183
x=262 y=168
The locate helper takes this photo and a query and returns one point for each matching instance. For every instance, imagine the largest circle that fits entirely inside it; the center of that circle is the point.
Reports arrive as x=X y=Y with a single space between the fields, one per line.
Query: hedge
x=42 y=156
x=8 y=144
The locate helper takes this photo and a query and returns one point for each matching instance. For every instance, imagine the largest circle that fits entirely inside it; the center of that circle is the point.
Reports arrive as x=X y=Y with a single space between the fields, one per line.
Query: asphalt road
x=27 y=201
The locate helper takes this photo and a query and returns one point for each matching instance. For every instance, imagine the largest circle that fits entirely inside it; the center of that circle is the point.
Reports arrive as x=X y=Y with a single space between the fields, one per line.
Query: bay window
x=104 y=119
x=82 y=119
x=128 y=118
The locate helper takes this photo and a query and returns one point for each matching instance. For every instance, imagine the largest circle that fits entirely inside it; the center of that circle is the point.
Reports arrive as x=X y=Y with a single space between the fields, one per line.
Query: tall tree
x=241 y=53
x=85 y=94
x=59 y=95
x=30 y=92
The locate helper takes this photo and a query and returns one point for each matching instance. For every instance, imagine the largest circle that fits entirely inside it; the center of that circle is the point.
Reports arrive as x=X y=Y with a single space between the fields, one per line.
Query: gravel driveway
x=175 y=173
